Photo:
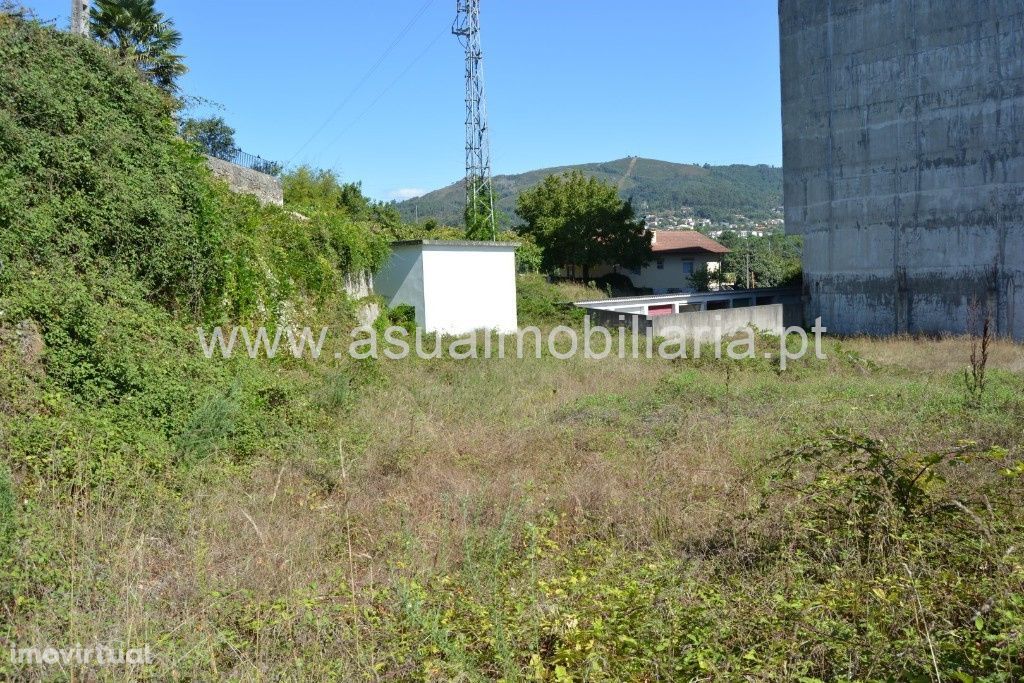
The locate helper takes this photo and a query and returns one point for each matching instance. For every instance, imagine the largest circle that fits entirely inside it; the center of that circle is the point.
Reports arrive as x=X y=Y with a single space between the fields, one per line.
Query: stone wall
x=264 y=187
x=903 y=156
x=359 y=286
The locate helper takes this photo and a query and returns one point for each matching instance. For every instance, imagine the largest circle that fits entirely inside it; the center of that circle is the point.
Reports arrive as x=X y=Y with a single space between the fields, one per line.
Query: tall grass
x=614 y=520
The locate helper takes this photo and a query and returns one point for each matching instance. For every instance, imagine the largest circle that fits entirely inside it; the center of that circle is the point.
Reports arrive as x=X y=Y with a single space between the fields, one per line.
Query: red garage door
x=661 y=309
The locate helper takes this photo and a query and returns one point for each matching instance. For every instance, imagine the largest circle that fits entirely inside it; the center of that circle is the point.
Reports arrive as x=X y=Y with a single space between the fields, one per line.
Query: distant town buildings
x=743 y=227
x=715 y=234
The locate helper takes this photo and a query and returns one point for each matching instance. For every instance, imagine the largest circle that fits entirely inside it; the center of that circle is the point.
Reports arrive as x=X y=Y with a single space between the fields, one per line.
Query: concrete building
x=903 y=157
x=454 y=286
x=677 y=254
x=731 y=305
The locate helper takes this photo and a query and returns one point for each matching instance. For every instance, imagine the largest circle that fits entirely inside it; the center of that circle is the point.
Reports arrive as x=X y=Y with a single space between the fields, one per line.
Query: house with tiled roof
x=677 y=254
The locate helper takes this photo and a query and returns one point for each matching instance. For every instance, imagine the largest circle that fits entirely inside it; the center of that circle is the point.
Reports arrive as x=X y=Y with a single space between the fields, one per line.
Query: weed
x=974 y=376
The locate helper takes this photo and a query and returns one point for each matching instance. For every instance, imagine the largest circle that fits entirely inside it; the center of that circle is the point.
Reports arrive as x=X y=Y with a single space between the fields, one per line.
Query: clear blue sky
x=568 y=81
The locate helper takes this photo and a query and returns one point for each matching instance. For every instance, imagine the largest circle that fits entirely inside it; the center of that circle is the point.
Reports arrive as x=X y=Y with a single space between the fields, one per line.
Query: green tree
x=701 y=279
x=578 y=220
x=768 y=261
x=141 y=36
x=529 y=258
x=313 y=190
x=215 y=137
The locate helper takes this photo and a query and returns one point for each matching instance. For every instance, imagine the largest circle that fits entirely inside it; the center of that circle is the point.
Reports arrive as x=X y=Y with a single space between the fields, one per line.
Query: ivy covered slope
x=116 y=242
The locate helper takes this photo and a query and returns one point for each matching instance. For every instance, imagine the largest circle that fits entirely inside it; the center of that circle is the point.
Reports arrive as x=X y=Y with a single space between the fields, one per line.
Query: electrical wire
x=383 y=92
x=364 y=79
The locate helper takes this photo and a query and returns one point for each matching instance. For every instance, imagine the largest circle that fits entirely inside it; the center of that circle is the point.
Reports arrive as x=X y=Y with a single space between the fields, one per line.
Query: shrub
x=541 y=302
x=115 y=242
x=93 y=173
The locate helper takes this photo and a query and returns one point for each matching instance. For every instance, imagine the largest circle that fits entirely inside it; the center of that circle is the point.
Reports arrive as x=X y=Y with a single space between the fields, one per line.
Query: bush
x=116 y=242
x=541 y=302
x=94 y=175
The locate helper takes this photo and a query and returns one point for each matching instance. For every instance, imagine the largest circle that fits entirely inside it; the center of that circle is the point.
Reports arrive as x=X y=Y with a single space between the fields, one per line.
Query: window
x=661 y=264
x=687 y=267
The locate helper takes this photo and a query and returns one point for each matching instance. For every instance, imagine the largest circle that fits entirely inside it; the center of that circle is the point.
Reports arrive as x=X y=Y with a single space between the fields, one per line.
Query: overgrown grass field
x=855 y=518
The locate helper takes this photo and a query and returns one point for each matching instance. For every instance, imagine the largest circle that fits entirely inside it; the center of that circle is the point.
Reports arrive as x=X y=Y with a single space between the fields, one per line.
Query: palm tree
x=141 y=36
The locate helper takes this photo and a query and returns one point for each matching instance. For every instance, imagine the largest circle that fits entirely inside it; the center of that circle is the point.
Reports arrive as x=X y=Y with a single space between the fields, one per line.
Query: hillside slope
x=115 y=245
x=715 y=192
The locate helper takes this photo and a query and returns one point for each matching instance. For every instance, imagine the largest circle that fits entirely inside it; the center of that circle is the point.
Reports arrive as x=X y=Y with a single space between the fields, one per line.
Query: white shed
x=455 y=286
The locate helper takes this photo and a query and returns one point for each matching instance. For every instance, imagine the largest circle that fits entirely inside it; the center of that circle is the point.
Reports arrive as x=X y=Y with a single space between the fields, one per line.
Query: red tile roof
x=684 y=240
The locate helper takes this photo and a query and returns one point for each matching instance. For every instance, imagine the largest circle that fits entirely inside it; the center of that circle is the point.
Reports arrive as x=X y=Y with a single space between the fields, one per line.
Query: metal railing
x=251 y=161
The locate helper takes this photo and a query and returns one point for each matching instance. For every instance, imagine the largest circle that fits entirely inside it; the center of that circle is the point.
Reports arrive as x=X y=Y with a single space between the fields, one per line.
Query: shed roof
x=455 y=243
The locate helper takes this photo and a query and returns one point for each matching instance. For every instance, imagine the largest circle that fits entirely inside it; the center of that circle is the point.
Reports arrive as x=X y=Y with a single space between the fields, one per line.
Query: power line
x=364 y=79
x=383 y=92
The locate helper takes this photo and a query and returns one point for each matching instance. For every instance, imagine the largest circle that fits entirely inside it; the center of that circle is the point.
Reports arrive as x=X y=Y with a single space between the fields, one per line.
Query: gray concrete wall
x=400 y=279
x=264 y=187
x=605 y=311
x=903 y=157
x=709 y=325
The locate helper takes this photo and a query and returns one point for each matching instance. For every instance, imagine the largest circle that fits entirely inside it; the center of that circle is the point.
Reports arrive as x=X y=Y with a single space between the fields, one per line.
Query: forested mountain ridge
x=714 y=192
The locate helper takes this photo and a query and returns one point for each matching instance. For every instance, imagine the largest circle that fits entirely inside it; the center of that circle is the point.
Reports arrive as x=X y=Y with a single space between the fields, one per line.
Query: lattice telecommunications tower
x=479 y=197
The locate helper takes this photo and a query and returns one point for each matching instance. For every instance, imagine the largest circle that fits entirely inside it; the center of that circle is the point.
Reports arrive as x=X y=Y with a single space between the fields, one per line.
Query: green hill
x=715 y=192
x=115 y=245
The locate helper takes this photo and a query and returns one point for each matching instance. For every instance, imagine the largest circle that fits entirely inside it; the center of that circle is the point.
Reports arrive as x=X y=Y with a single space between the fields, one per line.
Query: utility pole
x=747 y=240
x=80 y=17
x=479 y=189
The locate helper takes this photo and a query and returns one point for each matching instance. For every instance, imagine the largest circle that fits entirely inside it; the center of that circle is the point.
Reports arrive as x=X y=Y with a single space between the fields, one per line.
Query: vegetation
x=116 y=243
x=581 y=221
x=773 y=260
x=319 y=190
x=212 y=135
x=856 y=518
x=476 y=217
x=140 y=36
x=539 y=302
x=702 y=278
x=715 y=192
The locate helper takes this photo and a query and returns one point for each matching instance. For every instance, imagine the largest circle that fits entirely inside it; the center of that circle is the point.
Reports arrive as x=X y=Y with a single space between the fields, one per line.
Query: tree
x=140 y=36
x=213 y=135
x=529 y=257
x=311 y=189
x=768 y=261
x=701 y=279
x=578 y=220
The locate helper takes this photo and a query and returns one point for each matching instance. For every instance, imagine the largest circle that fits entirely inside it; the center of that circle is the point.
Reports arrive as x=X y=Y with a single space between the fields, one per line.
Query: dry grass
x=270 y=573
x=946 y=354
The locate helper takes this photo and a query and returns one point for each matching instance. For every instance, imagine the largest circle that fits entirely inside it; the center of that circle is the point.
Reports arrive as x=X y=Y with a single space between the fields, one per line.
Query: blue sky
x=568 y=81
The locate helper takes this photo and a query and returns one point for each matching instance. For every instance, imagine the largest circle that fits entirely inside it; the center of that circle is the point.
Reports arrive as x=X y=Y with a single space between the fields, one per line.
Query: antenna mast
x=479 y=195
